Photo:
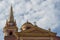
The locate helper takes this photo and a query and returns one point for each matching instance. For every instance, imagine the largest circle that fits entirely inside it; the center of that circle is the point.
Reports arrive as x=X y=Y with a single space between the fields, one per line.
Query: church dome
x=26 y=26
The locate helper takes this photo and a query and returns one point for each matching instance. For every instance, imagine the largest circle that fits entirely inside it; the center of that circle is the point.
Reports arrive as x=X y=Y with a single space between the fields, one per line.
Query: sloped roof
x=35 y=32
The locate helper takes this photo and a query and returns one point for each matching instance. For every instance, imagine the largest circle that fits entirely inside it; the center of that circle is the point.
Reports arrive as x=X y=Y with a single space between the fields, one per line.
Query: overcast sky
x=46 y=13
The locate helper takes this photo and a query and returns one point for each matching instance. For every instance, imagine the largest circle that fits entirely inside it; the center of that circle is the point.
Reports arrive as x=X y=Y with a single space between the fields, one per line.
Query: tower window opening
x=10 y=33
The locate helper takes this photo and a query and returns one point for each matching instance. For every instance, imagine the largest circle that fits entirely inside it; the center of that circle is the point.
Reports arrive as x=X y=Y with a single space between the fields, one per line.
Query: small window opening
x=28 y=28
x=10 y=33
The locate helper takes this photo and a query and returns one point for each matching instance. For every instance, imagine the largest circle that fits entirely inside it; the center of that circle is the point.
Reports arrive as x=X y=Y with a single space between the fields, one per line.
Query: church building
x=28 y=31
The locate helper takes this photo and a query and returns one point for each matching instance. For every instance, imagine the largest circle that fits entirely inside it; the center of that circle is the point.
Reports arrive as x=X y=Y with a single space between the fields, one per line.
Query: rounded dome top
x=26 y=26
x=27 y=23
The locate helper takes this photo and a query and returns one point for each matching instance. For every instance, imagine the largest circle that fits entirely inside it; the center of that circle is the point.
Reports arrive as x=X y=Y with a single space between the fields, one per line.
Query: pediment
x=35 y=32
x=38 y=30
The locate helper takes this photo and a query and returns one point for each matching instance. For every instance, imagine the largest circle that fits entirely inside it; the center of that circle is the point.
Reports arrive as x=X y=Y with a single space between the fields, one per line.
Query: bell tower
x=10 y=27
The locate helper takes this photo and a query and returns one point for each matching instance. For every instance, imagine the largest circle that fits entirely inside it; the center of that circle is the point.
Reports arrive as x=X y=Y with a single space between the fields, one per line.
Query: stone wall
x=36 y=38
x=10 y=38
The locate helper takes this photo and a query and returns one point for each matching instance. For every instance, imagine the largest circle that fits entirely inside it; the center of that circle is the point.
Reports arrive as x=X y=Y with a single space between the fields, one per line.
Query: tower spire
x=11 y=19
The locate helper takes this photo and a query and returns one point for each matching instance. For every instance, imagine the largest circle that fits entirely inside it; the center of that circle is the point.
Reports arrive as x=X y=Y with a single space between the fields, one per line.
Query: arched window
x=27 y=27
x=10 y=33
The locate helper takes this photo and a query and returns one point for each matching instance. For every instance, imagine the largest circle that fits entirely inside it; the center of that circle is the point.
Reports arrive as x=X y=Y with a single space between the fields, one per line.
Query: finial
x=15 y=22
x=49 y=29
x=34 y=23
x=27 y=21
x=6 y=22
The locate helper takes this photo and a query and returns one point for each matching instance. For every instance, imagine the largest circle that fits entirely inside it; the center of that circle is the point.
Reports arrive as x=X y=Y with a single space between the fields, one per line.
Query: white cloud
x=41 y=12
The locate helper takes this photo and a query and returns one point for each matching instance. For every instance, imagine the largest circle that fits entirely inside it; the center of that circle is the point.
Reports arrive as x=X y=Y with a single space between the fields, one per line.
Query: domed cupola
x=26 y=26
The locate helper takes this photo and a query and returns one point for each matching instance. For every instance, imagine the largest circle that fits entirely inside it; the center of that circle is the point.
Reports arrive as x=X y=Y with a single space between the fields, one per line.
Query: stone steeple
x=11 y=18
x=10 y=25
